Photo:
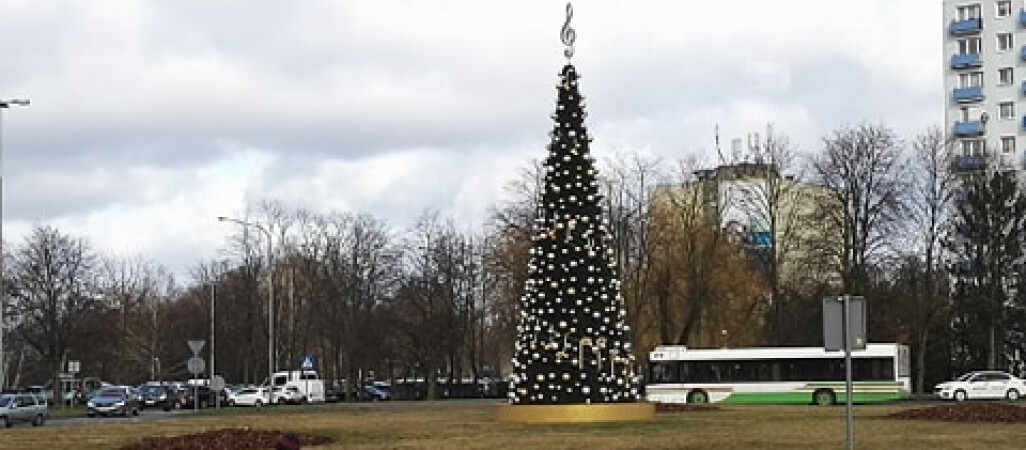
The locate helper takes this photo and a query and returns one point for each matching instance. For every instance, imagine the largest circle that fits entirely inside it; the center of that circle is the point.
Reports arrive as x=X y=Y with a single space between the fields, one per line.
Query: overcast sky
x=151 y=118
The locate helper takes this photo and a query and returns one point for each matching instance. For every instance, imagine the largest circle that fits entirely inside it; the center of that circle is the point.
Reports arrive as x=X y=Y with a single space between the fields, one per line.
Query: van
x=307 y=382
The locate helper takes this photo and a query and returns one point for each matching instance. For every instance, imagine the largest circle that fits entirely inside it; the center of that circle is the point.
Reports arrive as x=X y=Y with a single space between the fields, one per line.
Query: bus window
x=663 y=372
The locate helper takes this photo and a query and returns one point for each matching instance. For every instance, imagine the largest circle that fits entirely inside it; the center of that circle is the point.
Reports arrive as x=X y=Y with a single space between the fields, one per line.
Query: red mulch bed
x=678 y=407
x=227 y=439
x=966 y=412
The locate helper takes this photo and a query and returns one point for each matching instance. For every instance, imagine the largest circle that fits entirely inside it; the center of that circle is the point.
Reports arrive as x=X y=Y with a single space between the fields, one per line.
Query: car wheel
x=960 y=396
x=823 y=397
x=135 y=411
x=258 y=403
x=39 y=420
x=698 y=396
x=90 y=414
x=8 y=423
x=1012 y=395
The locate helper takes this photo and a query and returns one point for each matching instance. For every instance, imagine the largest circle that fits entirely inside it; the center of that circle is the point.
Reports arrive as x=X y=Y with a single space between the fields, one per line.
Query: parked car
x=22 y=408
x=158 y=396
x=986 y=384
x=290 y=395
x=114 y=400
x=255 y=396
x=376 y=392
x=333 y=394
x=200 y=396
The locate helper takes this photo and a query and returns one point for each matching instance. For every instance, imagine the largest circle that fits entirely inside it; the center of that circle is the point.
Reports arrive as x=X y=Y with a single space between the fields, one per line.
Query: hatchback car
x=25 y=408
x=982 y=385
x=249 y=397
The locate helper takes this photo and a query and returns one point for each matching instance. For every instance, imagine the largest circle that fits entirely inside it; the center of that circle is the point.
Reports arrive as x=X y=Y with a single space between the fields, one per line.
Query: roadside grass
x=471 y=425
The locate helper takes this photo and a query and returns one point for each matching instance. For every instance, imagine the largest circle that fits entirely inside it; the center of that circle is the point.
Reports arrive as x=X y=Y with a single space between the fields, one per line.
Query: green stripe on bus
x=804 y=398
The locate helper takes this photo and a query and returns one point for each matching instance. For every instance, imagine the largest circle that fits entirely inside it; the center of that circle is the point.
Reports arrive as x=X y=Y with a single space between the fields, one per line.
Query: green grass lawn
x=471 y=425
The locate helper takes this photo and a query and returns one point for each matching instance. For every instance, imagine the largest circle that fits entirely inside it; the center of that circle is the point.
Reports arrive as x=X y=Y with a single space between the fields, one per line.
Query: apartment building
x=985 y=83
x=768 y=214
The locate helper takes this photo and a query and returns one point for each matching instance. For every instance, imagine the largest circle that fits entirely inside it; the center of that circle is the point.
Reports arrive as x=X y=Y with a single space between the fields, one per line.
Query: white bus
x=803 y=375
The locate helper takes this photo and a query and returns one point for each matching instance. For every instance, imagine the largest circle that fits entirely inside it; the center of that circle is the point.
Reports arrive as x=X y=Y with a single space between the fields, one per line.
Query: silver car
x=22 y=408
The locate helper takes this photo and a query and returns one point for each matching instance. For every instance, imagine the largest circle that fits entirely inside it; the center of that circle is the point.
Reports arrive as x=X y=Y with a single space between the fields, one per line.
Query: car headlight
x=121 y=403
x=90 y=404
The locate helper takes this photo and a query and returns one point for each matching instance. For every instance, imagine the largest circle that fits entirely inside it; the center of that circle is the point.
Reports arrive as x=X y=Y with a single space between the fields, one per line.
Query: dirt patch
x=966 y=412
x=678 y=407
x=230 y=439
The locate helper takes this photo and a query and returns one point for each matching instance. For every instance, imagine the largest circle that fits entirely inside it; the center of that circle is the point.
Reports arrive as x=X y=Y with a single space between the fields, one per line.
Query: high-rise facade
x=985 y=82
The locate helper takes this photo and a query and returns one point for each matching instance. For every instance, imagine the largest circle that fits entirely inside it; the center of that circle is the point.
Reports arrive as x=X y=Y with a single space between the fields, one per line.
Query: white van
x=310 y=386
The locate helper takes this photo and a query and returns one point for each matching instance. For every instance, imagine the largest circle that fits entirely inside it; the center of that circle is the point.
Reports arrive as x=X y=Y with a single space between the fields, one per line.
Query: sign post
x=196 y=366
x=844 y=328
x=74 y=366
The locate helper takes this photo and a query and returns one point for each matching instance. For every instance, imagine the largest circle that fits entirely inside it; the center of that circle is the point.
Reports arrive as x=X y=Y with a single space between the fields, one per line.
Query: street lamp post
x=4 y=104
x=270 y=296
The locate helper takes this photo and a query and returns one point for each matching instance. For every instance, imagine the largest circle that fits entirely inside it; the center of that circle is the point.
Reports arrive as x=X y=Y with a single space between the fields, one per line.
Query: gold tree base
x=577 y=413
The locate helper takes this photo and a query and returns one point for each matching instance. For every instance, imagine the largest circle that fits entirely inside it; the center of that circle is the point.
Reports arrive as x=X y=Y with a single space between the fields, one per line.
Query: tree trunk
x=921 y=361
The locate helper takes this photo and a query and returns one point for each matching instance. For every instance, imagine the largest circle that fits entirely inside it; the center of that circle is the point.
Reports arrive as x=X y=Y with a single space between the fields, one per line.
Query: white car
x=290 y=395
x=982 y=385
x=249 y=397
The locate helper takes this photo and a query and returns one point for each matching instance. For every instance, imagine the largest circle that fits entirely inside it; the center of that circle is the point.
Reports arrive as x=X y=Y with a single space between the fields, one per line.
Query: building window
x=966 y=12
x=971 y=79
x=1005 y=76
x=973 y=147
x=1004 y=42
x=1006 y=110
x=1004 y=8
x=1007 y=144
x=969 y=45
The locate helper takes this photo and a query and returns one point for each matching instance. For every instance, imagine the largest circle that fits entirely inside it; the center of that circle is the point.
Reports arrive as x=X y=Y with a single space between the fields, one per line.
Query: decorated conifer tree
x=572 y=342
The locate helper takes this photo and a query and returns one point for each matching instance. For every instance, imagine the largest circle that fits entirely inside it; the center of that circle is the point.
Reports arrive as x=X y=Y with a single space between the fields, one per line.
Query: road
x=144 y=416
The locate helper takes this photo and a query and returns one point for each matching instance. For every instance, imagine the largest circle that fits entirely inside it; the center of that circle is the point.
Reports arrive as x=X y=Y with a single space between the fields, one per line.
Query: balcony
x=967 y=94
x=970 y=128
x=1022 y=54
x=964 y=27
x=966 y=60
x=1022 y=18
x=969 y=162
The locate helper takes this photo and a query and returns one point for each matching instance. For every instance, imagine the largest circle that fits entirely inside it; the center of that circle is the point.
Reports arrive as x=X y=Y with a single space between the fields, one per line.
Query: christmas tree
x=573 y=344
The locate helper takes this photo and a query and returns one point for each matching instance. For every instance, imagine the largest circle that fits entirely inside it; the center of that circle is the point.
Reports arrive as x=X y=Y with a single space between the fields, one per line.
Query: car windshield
x=966 y=377
x=111 y=393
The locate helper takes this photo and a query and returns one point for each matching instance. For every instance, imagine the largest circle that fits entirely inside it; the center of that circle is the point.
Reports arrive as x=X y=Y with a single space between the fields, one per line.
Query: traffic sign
x=306 y=363
x=196 y=365
x=196 y=345
x=217 y=383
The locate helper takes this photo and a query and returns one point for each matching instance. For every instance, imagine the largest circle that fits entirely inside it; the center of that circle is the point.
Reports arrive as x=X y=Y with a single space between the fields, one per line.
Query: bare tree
x=134 y=290
x=934 y=187
x=53 y=287
x=864 y=169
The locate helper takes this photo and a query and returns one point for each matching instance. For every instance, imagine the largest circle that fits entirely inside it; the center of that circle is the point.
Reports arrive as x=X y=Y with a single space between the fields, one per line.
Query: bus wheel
x=823 y=397
x=960 y=396
x=698 y=396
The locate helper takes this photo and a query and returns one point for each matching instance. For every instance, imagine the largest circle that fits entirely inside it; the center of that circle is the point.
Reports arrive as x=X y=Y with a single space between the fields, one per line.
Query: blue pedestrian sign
x=306 y=363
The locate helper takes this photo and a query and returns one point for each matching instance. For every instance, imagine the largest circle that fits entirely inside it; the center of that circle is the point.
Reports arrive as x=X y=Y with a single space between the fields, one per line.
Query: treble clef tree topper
x=567 y=34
